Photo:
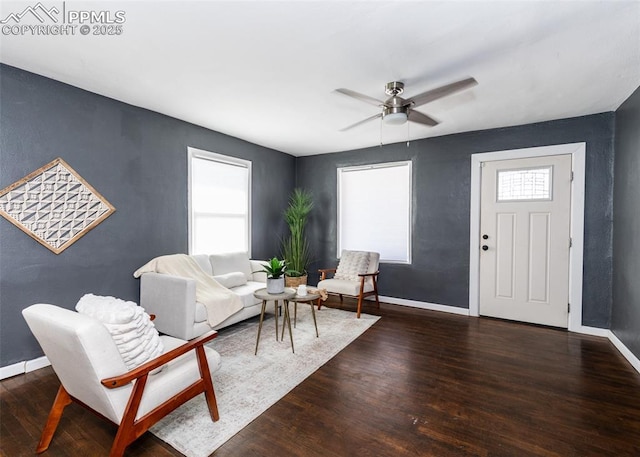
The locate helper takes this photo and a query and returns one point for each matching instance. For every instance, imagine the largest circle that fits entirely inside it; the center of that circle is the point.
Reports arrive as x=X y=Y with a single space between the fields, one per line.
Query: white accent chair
x=356 y=276
x=92 y=373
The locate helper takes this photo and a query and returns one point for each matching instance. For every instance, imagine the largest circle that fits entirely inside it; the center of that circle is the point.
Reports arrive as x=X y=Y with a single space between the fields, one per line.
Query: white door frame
x=578 y=153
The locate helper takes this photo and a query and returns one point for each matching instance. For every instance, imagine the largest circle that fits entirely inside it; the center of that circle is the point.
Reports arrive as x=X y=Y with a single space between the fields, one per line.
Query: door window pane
x=524 y=184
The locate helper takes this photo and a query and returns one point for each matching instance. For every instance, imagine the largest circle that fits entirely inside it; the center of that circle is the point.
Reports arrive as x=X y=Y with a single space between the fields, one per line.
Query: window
x=524 y=184
x=219 y=203
x=374 y=210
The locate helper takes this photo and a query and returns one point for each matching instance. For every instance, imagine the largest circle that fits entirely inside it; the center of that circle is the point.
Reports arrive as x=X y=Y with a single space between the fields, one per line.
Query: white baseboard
x=425 y=305
x=36 y=364
x=23 y=367
x=12 y=370
x=627 y=354
x=594 y=331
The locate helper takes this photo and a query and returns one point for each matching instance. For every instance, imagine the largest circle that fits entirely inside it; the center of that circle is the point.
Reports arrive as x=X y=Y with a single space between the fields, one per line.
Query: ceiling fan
x=397 y=110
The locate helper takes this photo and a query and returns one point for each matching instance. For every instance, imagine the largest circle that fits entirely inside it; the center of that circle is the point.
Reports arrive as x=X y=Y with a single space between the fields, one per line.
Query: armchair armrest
x=364 y=276
x=323 y=272
x=369 y=274
x=173 y=300
x=146 y=368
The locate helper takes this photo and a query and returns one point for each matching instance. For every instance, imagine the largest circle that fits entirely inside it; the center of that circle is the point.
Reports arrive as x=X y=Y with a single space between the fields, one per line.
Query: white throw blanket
x=219 y=301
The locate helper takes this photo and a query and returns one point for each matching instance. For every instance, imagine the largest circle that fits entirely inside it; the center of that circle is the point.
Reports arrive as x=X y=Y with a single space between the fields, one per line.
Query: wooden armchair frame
x=129 y=428
x=363 y=277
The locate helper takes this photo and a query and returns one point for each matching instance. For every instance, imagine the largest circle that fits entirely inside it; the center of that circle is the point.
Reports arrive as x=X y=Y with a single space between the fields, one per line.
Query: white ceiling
x=266 y=71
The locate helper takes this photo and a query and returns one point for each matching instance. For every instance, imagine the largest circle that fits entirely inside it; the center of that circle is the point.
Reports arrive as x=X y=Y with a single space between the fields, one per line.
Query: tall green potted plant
x=295 y=247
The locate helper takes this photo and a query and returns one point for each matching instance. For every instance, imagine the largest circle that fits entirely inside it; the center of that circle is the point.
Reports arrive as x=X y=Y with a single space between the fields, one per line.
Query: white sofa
x=173 y=299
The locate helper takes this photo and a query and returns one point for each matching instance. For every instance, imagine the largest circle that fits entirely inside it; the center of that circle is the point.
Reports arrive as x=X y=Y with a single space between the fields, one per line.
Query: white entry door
x=525 y=222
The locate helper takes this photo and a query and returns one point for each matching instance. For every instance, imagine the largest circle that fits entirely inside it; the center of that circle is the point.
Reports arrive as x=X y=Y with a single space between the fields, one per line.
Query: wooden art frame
x=54 y=205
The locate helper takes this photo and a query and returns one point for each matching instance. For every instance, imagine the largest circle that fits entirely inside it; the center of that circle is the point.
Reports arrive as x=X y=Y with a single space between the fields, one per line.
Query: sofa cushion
x=246 y=292
x=231 y=280
x=351 y=264
x=231 y=262
x=203 y=262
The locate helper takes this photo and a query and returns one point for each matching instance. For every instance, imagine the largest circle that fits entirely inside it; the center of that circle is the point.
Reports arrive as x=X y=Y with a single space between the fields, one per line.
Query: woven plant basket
x=294 y=281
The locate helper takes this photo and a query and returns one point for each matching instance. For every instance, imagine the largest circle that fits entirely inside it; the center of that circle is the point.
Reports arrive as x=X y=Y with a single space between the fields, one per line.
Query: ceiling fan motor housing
x=394 y=88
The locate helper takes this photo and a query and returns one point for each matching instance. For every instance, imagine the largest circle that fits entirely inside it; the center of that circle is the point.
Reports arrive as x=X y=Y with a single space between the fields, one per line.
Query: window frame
x=402 y=163
x=195 y=153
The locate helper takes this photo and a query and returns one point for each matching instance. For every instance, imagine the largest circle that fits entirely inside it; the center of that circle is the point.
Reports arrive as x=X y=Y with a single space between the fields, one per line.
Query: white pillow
x=130 y=327
x=231 y=280
x=351 y=264
x=230 y=263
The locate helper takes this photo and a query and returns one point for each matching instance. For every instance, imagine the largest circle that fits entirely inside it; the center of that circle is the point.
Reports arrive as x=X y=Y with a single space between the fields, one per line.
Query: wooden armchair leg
x=359 y=306
x=319 y=303
x=209 y=393
x=360 y=296
x=375 y=289
x=62 y=400
x=126 y=430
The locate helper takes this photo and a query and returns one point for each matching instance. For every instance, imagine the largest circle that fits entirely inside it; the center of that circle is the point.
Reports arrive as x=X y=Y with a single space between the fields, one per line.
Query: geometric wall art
x=54 y=205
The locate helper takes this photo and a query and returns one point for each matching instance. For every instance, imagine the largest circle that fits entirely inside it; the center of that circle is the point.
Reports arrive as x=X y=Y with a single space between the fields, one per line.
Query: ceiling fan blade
x=421 y=118
x=361 y=97
x=442 y=91
x=362 y=122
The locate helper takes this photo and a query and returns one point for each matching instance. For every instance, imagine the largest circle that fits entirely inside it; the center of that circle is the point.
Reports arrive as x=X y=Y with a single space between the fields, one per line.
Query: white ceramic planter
x=275 y=286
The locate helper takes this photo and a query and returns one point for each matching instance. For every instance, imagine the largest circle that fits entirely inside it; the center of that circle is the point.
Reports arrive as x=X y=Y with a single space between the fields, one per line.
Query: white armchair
x=356 y=276
x=92 y=373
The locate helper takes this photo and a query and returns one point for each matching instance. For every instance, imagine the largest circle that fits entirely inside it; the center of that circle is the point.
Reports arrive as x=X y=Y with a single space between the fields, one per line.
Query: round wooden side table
x=262 y=294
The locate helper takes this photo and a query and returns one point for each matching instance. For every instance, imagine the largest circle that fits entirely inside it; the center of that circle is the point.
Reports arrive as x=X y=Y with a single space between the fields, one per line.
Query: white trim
x=36 y=364
x=424 y=305
x=23 y=367
x=208 y=155
x=627 y=354
x=593 y=331
x=578 y=153
x=12 y=370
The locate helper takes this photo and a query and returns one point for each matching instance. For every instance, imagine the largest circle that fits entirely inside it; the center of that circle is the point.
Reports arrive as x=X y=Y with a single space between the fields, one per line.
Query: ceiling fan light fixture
x=395 y=118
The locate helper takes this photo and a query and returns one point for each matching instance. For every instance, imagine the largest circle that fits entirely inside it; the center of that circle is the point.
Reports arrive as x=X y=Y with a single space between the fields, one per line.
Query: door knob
x=485 y=247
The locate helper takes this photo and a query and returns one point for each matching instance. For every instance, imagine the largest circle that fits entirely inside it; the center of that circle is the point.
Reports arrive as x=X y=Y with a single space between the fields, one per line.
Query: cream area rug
x=246 y=385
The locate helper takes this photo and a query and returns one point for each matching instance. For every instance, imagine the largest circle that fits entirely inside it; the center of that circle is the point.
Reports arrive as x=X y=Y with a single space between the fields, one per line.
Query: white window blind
x=219 y=203
x=374 y=210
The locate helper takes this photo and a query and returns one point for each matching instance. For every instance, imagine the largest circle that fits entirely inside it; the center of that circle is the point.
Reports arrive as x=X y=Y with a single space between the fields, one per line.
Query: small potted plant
x=275 y=270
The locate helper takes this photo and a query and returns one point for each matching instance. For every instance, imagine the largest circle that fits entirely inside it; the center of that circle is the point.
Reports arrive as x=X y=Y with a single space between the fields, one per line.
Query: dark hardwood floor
x=418 y=383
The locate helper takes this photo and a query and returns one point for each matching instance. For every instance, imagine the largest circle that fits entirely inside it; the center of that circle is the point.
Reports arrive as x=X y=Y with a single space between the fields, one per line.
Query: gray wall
x=442 y=171
x=137 y=160
x=625 y=313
